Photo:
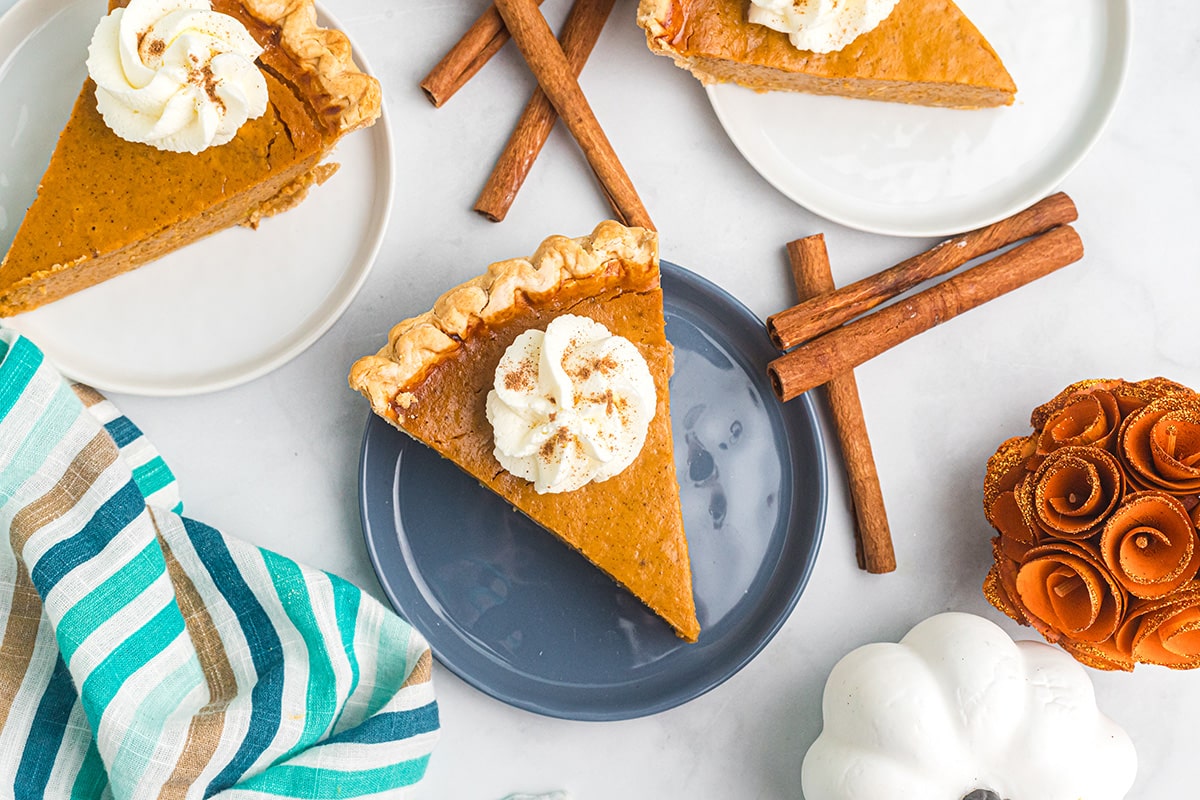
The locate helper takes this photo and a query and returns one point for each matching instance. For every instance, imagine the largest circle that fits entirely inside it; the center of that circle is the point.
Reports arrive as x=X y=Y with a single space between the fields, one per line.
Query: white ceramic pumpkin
x=959 y=710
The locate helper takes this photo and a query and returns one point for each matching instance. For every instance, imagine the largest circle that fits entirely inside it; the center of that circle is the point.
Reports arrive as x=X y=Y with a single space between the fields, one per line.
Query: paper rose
x=1150 y=545
x=1068 y=592
x=1075 y=489
x=1166 y=631
x=959 y=710
x=1161 y=444
x=1095 y=514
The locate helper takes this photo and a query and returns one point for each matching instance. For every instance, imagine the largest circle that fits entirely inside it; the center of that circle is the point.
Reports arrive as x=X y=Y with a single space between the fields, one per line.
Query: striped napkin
x=144 y=654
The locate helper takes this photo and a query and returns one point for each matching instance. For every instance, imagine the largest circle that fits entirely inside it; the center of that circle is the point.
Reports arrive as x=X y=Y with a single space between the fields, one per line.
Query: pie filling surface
x=926 y=52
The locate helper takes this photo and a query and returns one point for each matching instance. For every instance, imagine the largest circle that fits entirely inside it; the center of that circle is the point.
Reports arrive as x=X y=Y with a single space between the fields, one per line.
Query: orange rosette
x=1064 y=591
x=1100 y=655
x=1007 y=495
x=1097 y=514
x=1080 y=418
x=1165 y=631
x=1075 y=489
x=1150 y=545
x=1000 y=585
x=1090 y=412
x=999 y=595
x=1161 y=445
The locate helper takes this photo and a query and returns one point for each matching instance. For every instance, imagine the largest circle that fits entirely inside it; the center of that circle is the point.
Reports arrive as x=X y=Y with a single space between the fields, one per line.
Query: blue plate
x=521 y=616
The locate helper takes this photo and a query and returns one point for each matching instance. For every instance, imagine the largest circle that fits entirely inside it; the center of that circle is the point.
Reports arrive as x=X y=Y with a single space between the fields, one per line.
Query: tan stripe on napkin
x=204 y=732
x=96 y=456
x=20 y=636
x=422 y=672
x=87 y=395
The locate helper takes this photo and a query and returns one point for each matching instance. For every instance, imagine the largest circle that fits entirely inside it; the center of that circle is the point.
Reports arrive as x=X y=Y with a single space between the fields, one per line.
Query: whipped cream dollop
x=821 y=26
x=571 y=405
x=175 y=74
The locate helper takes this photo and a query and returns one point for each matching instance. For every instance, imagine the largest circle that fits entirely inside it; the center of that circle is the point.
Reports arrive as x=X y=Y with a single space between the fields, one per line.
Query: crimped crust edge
x=652 y=17
x=354 y=97
x=417 y=344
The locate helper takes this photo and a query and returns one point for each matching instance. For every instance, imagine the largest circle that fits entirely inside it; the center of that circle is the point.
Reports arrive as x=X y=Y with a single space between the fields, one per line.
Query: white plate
x=915 y=171
x=216 y=313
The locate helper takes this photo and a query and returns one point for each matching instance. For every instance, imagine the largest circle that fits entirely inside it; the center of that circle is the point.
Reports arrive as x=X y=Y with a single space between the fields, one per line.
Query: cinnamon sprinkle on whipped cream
x=176 y=75
x=571 y=405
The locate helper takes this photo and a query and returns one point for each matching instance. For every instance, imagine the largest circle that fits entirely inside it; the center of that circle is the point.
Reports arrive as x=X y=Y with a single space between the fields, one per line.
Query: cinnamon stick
x=815 y=362
x=819 y=315
x=549 y=65
x=579 y=34
x=872 y=535
x=482 y=40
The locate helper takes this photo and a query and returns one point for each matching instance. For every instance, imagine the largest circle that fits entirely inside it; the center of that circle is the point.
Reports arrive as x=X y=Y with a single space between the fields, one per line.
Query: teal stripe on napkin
x=330 y=784
x=152 y=476
x=21 y=363
x=102 y=685
x=129 y=582
x=46 y=734
x=320 y=699
x=91 y=779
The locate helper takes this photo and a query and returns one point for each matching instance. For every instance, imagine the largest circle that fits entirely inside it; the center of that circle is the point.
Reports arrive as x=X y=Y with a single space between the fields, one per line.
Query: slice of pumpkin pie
x=546 y=379
x=201 y=161
x=924 y=52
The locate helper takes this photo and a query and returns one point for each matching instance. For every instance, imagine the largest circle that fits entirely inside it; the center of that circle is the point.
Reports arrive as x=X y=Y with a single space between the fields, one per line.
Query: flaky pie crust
x=653 y=16
x=612 y=256
x=352 y=99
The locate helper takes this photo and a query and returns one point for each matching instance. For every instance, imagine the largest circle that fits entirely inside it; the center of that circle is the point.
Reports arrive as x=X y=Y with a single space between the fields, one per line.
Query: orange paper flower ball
x=1096 y=518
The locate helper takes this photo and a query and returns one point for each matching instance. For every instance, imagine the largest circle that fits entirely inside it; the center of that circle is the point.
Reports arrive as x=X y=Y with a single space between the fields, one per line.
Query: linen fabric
x=146 y=655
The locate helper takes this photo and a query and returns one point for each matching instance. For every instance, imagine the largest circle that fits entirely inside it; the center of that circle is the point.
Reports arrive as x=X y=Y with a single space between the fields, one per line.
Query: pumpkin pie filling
x=925 y=52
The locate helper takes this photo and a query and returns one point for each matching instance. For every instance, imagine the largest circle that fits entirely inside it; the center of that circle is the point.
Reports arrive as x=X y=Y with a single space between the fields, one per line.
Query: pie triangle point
x=432 y=377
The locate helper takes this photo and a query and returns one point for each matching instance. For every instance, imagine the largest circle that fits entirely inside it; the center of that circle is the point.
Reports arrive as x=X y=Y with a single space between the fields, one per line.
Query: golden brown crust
x=352 y=98
x=655 y=18
x=611 y=255
x=926 y=52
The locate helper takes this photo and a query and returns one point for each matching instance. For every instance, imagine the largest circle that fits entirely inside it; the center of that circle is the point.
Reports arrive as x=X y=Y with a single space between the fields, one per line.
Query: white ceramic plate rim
x=800 y=193
x=22 y=21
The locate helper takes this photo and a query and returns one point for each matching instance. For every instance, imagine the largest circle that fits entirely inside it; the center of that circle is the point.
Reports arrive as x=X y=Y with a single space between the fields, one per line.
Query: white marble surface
x=274 y=461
